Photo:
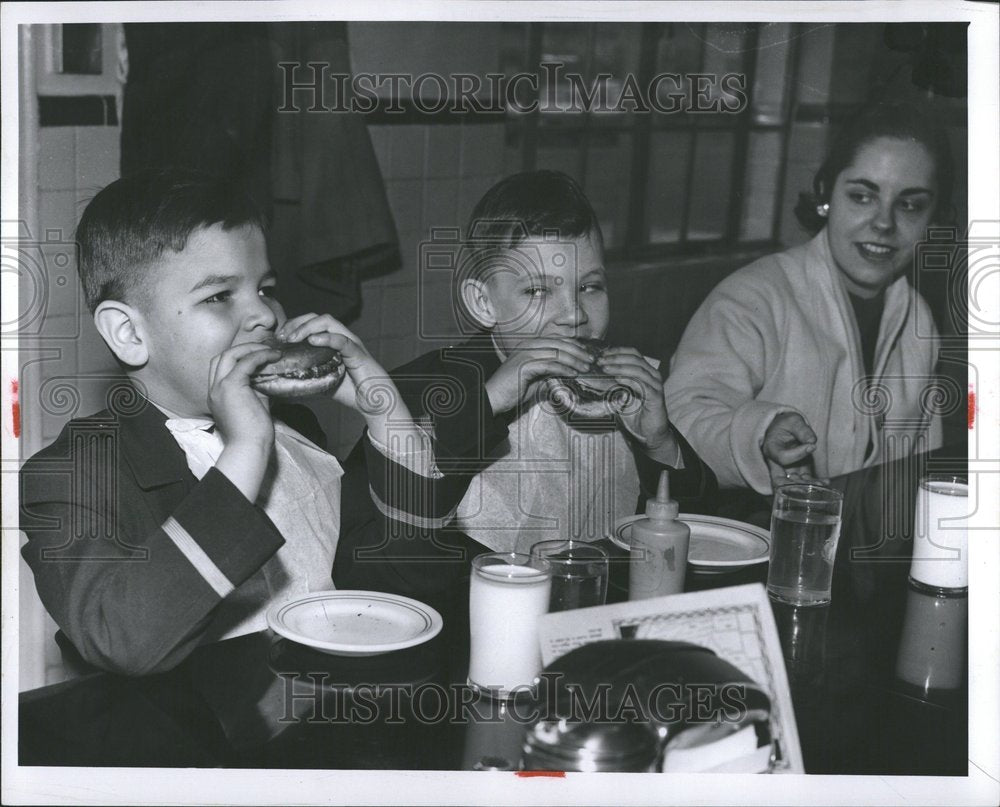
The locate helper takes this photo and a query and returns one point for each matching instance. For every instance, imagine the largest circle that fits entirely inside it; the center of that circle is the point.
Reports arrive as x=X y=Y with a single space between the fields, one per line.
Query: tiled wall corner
x=444 y=151
x=471 y=189
x=97 y=157
x=406 y=201
x=65 y=367
x=399 y=312
x=440 y=205
x=482 y=149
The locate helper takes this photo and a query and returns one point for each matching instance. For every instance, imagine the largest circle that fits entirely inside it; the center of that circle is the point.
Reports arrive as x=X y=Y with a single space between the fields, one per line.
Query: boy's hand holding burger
x=591 y=380
x=533 y=361
x=308 y=355
x=356 y=380
x=645 y=416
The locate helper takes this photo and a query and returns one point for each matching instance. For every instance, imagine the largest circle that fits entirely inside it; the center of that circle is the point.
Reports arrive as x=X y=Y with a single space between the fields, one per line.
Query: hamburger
x=592 y=394
x=303 y=369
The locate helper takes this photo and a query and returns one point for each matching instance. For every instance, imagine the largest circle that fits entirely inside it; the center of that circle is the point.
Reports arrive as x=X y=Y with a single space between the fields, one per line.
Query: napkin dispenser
x=647 y=705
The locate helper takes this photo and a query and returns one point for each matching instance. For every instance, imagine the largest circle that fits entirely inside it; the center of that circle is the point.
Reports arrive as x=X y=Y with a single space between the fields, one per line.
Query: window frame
x=636 y=244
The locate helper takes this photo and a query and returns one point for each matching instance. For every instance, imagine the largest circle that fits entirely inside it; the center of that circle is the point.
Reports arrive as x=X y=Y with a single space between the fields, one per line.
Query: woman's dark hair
x=899 y=121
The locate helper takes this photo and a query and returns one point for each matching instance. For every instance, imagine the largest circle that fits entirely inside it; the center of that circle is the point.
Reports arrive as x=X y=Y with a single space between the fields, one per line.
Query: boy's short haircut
x=531 y=204
x=127 y=226
x=540 y=204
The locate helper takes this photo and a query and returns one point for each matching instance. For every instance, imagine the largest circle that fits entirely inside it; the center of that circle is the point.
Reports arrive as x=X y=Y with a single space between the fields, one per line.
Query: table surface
x=260 y=701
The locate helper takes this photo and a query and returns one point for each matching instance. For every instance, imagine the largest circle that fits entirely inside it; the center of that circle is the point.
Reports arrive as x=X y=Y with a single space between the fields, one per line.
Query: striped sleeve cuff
x=403 y=495
x=412 y=451
x=196 y=557
x=224 y=537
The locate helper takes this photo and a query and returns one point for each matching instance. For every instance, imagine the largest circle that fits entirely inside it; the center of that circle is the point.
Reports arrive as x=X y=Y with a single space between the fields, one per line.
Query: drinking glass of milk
x=508 y=592
x=941 y=538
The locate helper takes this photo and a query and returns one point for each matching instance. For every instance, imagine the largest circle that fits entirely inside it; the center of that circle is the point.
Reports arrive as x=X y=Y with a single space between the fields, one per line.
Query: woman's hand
x=645 y=417
x=788 y=446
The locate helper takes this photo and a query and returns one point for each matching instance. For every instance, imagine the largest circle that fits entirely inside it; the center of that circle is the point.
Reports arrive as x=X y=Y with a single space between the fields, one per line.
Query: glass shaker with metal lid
x=563 y=745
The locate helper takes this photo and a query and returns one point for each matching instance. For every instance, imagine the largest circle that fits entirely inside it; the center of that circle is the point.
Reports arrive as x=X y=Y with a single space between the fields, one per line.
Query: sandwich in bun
x=303 y=369
x=592 y=394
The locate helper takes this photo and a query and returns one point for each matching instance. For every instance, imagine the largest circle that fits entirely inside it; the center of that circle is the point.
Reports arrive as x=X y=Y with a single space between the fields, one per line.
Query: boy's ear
x=120 y=326
x=477 y=302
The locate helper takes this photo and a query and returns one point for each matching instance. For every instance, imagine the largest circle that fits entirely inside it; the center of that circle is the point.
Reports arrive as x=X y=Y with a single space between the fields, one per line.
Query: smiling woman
x=810 y=363
x=876 y=216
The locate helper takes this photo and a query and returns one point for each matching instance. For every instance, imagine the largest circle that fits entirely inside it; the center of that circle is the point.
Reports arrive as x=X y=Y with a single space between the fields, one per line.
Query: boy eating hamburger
x=557 y=434
x=179 y=515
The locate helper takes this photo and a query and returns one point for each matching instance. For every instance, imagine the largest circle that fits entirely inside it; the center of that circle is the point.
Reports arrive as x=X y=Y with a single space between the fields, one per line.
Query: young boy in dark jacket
x=182 y=512
x=531 y=281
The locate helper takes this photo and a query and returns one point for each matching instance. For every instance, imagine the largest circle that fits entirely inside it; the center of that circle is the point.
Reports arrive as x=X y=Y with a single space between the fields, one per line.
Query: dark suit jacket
x=94 y=504
x=105 y=505
x=446 y=387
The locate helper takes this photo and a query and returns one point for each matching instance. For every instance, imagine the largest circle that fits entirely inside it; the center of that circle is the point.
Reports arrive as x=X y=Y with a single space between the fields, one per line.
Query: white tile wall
x=57 y=162
x=434 y=174
x=406 y=202
x=73 y=164
x=56 y=214
x=97 y=156
x=444 y=151
x=440 y=204
x=399 y=313
x=72 y=345
x=482 y=150
x=406 y=152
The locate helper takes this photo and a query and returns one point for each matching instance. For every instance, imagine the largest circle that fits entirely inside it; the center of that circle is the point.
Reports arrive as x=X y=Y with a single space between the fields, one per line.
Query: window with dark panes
x=79 y=51
x=690 y=165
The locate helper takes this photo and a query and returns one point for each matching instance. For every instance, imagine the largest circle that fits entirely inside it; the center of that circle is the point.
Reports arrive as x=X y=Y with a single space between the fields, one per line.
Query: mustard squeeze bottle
x=659 y=548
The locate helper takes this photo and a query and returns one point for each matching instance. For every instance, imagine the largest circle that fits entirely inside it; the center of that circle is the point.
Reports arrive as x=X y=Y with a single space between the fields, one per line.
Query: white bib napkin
x=553 y=481
x=301 y=495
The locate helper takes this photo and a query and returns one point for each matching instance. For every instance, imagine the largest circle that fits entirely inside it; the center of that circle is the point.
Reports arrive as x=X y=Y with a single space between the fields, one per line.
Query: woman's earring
x=823 y=209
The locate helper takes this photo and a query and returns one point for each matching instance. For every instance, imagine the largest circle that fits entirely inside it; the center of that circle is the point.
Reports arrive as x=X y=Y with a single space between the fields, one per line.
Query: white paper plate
x=717 y=544
x=354 y=623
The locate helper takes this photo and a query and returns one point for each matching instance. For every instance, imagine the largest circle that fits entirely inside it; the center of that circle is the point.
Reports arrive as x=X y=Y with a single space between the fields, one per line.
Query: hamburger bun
x=303 y=369
x=592 y=394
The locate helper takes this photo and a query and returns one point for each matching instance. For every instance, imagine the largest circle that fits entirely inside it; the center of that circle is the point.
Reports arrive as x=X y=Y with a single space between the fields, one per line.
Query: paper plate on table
x=354 y=623
x=717 y=544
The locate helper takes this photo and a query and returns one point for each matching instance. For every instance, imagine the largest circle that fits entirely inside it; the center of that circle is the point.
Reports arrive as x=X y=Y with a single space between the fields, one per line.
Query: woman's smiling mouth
x=875 y=252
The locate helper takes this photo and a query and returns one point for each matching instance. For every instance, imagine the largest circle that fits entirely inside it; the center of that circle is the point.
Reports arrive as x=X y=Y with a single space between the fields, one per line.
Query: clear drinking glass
x=932 y=647
x=805 y=528
x=941 y=538
x=579 y=573
x=508 y=592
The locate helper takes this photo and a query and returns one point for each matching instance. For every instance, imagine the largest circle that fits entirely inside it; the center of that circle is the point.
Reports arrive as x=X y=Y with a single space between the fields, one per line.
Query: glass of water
x=805 y=528
x=579 y=573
